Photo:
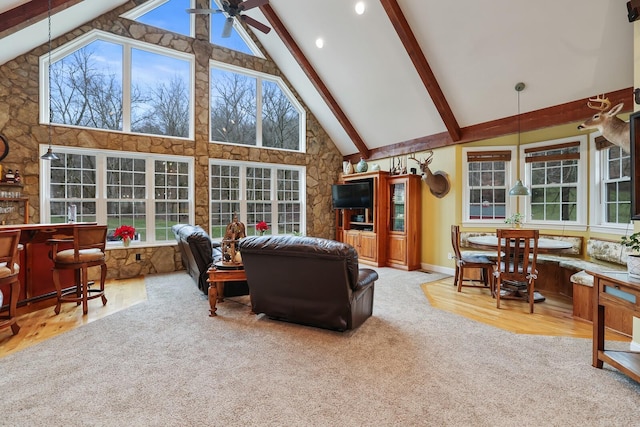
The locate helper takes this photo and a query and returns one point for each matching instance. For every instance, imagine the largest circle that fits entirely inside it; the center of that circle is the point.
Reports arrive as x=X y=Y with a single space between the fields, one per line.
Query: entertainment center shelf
x=387 y=231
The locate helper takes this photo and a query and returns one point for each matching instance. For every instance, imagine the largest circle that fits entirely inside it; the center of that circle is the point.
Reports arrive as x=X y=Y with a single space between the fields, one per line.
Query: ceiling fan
x=234 y=9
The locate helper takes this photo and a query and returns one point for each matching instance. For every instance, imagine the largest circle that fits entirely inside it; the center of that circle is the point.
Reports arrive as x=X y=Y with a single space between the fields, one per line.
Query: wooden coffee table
x=219 y=274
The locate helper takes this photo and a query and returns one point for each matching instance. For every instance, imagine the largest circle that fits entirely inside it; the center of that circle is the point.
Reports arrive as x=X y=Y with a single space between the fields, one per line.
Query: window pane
x=233 y=107
x=126 y=201
x=280 y=119
x=488 y=201
x=86 y=87
x=160 y=94
x=169 y=16
x=73 y=185
x=171 y=197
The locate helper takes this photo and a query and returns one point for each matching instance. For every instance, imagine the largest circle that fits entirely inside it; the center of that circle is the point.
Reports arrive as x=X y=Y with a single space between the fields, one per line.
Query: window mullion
x=259 y=111
x=101 y=188
x=126 y=88
x=150 y=197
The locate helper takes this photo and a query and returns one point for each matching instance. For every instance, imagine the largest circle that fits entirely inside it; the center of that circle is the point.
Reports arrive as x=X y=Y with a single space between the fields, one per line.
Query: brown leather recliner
x=198 y=252
x=308 y=280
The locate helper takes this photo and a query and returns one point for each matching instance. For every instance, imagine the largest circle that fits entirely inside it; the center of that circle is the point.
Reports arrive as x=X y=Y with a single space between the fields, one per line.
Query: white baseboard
x=438 y=269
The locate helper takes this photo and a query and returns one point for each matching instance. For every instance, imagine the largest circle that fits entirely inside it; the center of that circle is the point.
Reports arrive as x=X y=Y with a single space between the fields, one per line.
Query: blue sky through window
x=170 y=16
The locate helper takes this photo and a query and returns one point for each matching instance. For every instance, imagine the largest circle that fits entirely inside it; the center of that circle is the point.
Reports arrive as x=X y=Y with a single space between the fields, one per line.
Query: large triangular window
x=170 y=15
x=238 y=40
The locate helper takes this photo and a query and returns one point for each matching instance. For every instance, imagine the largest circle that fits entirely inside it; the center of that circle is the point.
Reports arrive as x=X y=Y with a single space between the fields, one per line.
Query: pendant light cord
x=49 y=73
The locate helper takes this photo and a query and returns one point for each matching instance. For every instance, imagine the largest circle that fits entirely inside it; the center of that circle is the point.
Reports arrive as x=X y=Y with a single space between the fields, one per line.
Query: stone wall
x=19 y=122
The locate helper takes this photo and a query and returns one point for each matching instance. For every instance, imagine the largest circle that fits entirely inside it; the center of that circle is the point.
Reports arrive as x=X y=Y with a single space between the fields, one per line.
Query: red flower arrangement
x=262 y=227
x=125 y=232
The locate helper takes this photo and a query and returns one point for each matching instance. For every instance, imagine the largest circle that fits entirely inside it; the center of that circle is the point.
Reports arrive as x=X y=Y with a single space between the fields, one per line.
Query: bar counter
x=36 y=275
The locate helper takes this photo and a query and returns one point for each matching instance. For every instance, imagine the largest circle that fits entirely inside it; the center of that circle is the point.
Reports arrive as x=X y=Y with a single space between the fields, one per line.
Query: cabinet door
x=352 y=238
x=397 y=194
x=397 y=249
x=368 y=246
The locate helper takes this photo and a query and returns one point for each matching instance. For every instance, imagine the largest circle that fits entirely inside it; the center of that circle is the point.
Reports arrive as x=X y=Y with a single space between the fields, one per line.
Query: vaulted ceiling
x=409 y=75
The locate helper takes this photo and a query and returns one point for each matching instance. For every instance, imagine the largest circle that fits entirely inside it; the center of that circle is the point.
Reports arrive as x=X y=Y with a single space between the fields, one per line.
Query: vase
x=633 y=266
x=361 y=166
x=347 y=168
x=126 y=242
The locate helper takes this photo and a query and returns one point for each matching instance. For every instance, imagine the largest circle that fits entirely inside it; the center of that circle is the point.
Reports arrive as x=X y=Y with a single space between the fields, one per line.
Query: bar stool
x=9 y=270
x=88 y=251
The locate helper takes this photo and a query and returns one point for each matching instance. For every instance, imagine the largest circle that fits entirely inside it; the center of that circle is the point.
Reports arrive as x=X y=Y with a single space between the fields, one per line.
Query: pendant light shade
x=519 y=189
x=49 y=155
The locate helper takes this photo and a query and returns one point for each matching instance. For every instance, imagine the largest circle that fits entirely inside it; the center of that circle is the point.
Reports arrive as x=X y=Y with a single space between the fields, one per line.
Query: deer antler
x=429 y=156
x=600 y=99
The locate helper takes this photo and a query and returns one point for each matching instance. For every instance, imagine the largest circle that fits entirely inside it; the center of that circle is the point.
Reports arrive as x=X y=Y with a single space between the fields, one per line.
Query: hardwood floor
x=552 y=317
x=41 y=324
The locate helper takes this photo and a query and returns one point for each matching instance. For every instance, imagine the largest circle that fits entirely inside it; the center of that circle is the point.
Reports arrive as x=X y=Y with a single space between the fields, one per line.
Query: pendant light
x=49 y=155
x=519 y=189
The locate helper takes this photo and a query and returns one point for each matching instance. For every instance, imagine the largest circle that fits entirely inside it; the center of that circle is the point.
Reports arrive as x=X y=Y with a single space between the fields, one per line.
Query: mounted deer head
x=437 y=182
x=615 y=130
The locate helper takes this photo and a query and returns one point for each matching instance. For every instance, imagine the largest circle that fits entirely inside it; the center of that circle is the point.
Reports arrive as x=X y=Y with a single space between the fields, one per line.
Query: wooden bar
x=36 y=266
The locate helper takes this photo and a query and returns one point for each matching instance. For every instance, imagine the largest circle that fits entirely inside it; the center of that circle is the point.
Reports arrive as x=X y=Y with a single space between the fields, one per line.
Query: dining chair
x=88 y=250
x=470 y=261
x=516 y=267
x=9 y=270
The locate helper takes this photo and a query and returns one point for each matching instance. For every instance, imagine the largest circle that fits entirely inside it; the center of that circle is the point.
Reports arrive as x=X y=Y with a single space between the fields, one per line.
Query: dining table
x=545 y=245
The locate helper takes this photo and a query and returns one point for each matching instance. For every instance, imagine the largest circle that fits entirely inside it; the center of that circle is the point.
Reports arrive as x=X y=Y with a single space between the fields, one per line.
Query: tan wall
x=19 y=116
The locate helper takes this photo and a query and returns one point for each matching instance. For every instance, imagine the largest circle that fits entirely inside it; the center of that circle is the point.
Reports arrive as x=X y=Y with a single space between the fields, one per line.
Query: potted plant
x=515 y=220
x=126 y=233
x=633 y=260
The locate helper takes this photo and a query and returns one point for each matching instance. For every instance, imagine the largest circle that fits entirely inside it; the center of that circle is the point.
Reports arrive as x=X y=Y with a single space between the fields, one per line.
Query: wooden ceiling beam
x=317 y=82
x=570 y=112
x=29 y=13
x=421 y=64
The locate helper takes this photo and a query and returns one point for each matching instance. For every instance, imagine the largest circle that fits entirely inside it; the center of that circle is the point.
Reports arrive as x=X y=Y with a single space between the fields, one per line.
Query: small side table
x=220 y=273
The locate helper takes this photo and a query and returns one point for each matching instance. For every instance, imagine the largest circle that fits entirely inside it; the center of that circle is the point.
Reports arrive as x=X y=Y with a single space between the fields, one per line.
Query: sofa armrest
x=366 y=277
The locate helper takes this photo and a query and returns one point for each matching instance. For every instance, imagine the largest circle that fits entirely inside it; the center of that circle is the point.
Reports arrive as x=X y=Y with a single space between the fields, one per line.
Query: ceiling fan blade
x=228 y=26
x=250 y=4
x=203 y=11
x=255 y=24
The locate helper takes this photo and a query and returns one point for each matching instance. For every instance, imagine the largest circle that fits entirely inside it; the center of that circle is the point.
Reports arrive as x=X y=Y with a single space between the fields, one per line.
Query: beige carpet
x=164 y=362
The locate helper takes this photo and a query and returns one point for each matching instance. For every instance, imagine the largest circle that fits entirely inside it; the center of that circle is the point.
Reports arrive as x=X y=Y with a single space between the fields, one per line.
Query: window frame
x=242 y=191
x=510 y=172
x=302 y=117
x=101 y=187
x=582 y=201
x=127 y=45
x=597 y=193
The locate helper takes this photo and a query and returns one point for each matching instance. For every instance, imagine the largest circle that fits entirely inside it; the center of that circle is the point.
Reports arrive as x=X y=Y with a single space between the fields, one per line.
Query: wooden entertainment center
x=389 y=232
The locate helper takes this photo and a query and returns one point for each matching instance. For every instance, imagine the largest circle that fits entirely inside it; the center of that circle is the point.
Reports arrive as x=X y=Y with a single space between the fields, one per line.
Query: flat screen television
x=354 y=195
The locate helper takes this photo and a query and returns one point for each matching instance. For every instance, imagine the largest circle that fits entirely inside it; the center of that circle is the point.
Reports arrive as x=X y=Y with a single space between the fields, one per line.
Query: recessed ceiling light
x=319 y=43
x=360 y=7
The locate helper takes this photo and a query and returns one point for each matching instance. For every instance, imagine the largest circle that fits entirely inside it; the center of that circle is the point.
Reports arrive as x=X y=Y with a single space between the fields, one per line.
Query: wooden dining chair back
x=9 y=271
x=468 y=262
x=88 y=250
x=516 y=268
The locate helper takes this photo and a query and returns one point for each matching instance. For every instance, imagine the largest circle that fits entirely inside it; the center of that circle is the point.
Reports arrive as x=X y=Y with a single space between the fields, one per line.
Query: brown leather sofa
x=198 y=252
x=308 y=280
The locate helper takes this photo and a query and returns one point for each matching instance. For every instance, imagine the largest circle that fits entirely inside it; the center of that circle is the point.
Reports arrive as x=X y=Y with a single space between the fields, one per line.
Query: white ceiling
x=563 y=50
